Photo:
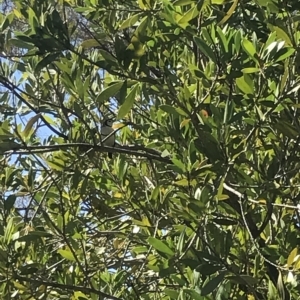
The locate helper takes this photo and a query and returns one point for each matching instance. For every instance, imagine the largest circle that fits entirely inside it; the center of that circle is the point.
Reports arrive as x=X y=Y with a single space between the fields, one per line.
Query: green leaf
x=32 y=18
x=283 y=54
x=188 y=16
x=260 y=113
x=173 y=294
x=284 y=77
x=110 y=91
x=63 y=67
x=122 y=170
x=140 y=31
x=91 y=43
x=183 y=2
x=245 y=84
x=271 y=48
x=209 y=146
x=109 y=58
x=17 y=42
x=29 y=125
x=237 y=41
x=131 y=21
x=7 y=21
x=168 y=11
x=208 y=269
x=223 y=40
x=220 y=189
x=178 y=163
x=292 y=256
x=203 y=47
x=172 y=110
x=240 y=279
x=82 y=296
x=282 y=35
x=193 y=294
x=66 y=254
x=160 y=246
x=49 y=58
x=129 y=101
x=40 y=234
x=228 y=113
x=56 y=164
x=8 y=231
x=9 y=203
x=198 y=73
x=212 y=284
x=286 y=129
x=250 y=70
x=281 y=286
x=181 y=241
x=169 y=109
x=229 y=12
x=182 y=182
x=249 y=48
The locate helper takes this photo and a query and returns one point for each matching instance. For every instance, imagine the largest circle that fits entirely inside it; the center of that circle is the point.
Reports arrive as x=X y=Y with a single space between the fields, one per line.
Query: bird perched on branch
x=106 y=130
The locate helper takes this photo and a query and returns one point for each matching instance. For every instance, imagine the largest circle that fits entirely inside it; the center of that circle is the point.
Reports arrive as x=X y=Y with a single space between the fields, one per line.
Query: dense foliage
x=200 y=198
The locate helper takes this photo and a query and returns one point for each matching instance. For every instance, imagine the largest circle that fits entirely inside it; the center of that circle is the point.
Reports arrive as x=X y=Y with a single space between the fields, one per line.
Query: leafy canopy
x=200 y=199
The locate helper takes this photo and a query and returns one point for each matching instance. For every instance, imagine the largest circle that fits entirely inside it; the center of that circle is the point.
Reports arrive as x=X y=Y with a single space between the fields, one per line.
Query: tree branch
x=66 y=287
x=130 y=150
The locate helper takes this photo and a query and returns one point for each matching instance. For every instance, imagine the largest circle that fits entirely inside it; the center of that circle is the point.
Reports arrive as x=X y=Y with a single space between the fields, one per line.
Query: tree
x=200 y=200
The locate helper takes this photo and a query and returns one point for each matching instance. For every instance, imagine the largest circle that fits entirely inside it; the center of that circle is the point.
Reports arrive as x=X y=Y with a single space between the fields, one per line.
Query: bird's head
x=108 y=122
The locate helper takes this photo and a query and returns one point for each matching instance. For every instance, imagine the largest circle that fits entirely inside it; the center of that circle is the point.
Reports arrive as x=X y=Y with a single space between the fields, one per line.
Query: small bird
x=106 y=130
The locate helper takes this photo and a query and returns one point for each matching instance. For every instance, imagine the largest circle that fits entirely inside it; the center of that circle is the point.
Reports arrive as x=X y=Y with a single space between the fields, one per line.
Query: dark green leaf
x=129 y=101
x=203 y=47
x=9 y=203
x=212 y=284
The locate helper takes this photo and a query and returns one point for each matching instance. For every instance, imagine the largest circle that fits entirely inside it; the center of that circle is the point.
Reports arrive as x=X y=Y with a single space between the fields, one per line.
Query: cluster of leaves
x=200 y=199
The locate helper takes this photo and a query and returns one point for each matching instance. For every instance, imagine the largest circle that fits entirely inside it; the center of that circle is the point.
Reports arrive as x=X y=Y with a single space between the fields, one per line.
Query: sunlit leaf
x=160 y=246
x=130 y=21
x=66 y=254
x=229 y=12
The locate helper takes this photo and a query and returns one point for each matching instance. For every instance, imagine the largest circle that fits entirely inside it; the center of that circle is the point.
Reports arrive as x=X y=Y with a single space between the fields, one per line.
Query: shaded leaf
x=205 y=49
x=29 y=125
x=108 y=92
x=128 y=102
x=212 y=284
x=48 y=59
